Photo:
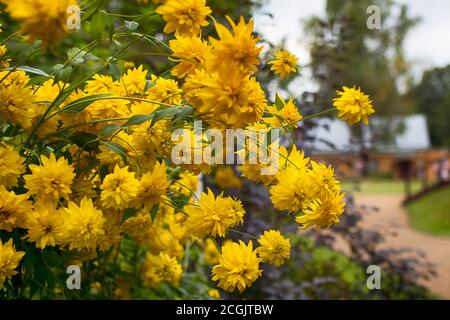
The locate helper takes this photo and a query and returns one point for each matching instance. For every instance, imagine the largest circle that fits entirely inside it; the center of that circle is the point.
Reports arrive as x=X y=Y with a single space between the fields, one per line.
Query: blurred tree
x=345 y=51
x=432 y=96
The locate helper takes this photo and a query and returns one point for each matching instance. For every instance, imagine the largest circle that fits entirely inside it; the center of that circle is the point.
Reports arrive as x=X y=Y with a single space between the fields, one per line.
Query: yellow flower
x=353 y=105
x=214 y=293
x=100 y=84
x=323 y=213
x=235 y=50
x=274 y=249
x=159 y=239
x=14 y=78
x=82 y=187
x=112 y=233
x=106 y=109
x=211 y=252
x=41 y=19
x=51 y=180
x=4 y=62
x=161 y=268
x=295 y=159
x=238 y=267
x=165 y=90
x=138 y=226
x=119 y=188
x=292 y=191
x=9 y=261
x=284 y=63
x=226 y=179
x=11 y=166
x=133 y=82
x=184 y=17
x=13 y=209
x=212 y=216
x=44 y=225
x=83 y=225
x=226 y=99
x=235 y=211
x=109 y=157
x=153 y=187
x=45 y=94
x=190 y=52
x=323 y=181
x=16 y=102
x=288 y=115
x=186 y=184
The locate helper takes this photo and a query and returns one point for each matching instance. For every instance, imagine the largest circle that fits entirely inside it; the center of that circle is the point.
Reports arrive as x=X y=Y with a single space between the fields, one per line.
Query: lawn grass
x=431 y=213
x=380 y=186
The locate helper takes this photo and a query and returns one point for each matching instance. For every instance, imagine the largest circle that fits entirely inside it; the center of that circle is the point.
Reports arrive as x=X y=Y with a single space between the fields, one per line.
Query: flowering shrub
x=88 y=172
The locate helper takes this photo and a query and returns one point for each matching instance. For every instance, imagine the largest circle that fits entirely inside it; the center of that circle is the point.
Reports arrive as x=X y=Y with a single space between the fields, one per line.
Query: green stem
x=243 y=234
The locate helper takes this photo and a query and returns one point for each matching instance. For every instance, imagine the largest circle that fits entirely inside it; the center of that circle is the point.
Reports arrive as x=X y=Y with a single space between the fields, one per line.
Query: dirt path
x=393 y=219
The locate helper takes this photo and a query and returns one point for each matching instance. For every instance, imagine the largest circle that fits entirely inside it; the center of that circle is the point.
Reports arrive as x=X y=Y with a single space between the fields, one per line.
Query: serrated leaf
x=83 y=103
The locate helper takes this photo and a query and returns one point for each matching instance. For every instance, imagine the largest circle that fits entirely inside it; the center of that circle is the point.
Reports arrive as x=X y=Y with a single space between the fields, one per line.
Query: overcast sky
x=427 y=45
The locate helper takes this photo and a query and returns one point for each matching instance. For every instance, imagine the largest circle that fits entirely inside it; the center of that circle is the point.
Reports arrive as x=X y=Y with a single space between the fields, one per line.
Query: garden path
x=392 y=220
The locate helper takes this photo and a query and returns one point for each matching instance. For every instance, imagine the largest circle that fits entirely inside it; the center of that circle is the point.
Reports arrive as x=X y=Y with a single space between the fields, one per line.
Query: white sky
x=427 y=45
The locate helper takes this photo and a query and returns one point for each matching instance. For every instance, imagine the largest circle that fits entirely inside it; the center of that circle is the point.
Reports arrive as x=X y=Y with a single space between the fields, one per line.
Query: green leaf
x=138 y=119
x=83 y=103
x=154 y=211
x=78 y=56
x=116 y=148
x=183 y=114
x=98 y=24
x=33 y=71
x=84 y=140
x=149 y=84
x=129 y=213
x=279 y=102
x=109 y=129
x=164 y=112
x=63 y=74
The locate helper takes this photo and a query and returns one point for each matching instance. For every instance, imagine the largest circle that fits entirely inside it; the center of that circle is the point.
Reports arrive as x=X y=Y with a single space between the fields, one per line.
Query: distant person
x=444 y=168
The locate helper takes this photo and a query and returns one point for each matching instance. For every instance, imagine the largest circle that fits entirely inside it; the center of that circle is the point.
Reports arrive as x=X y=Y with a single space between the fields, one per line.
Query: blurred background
x=396 y=169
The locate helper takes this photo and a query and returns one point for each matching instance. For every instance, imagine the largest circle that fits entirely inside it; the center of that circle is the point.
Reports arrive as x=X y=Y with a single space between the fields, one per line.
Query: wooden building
x=399 y=148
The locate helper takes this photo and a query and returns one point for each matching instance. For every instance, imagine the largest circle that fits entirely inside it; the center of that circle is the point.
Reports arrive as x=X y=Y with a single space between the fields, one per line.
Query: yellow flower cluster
x=89 y=168
x=9 y=260
x=41 y=19
x=304 y=185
